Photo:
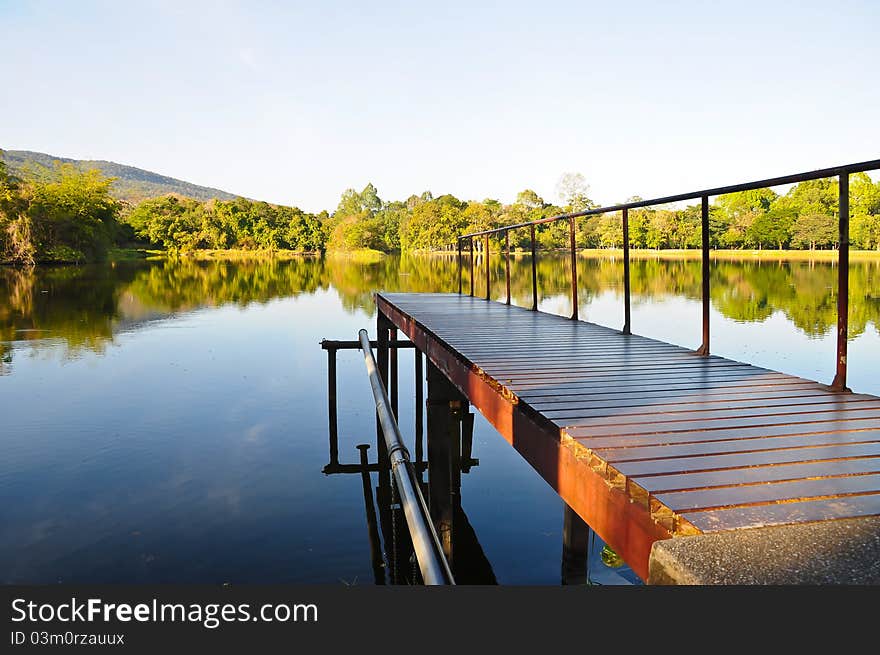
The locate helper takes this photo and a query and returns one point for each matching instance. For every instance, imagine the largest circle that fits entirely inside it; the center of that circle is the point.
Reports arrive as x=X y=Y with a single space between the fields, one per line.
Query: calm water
x=166 y=422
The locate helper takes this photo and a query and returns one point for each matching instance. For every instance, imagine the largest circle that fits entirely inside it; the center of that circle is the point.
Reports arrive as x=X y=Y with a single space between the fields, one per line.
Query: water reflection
x=164 y=421
x=84 y=307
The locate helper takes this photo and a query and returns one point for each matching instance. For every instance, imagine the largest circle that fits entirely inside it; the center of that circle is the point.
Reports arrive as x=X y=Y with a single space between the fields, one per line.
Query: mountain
x=132 y=184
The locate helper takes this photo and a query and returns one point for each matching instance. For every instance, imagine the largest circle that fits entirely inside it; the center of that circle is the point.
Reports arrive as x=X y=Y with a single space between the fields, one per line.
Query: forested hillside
x=129 y=183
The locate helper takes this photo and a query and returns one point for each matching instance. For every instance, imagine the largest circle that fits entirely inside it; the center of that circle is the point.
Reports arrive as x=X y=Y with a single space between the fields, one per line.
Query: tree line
x=70 y=216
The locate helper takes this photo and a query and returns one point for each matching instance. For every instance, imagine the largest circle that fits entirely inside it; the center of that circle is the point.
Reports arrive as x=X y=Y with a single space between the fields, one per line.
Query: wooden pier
x=646 y=440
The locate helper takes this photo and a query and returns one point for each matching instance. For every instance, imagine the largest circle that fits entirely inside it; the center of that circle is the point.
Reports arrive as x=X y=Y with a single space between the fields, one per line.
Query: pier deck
x=646 y=440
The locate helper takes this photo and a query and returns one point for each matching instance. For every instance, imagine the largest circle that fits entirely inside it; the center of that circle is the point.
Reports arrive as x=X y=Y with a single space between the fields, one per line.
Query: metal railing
x=429 y=553
x=841 y=172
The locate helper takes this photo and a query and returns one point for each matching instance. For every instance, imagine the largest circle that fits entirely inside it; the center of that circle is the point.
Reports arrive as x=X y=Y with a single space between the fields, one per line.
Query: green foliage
x=433 y=223
x=184 y=224
x=71 y=218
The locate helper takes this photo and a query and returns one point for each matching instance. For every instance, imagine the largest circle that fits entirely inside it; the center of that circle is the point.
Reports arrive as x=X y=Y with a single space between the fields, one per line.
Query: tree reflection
x=84 y=307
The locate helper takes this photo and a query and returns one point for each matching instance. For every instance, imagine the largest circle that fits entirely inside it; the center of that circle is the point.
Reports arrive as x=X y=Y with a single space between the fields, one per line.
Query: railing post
x=574 y=269
x=486 y=256
x=507 y=262
x=839 y=382
x=704 y=348
x=626 y=290
x=534 y=270
x=459 y=266
x=471 y=242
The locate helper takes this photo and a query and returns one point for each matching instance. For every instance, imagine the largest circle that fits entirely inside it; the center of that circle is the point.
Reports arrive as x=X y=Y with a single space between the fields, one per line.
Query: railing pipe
x=459 y=266
x=507 y=262
x=574 y=269
x=534 y=270
x=626 y=289
x=839 y=382
x=704 y=219
x=471 y=246
x=486 y=257
x=432 y=564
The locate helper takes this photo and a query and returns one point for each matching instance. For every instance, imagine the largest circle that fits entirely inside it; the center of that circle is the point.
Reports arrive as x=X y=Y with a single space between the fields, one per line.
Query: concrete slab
x=845 y=551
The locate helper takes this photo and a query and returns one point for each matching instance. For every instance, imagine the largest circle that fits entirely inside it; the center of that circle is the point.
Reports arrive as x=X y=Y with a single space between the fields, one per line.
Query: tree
x=814 y=230
x=433 y=224
x=772 y=228
x=73 y=218
x=864 y=231
x=746 y=202
x=572 y=190
x=813 y=197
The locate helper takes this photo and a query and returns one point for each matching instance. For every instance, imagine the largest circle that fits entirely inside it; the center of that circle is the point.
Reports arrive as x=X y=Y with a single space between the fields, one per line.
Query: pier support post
x=575 y=548
x=445 y=409
x=331 y=407
x=383 y=332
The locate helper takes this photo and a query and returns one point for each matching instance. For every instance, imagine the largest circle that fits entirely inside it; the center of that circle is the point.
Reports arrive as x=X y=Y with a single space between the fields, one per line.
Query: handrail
x=842 y=172
x=432 y=563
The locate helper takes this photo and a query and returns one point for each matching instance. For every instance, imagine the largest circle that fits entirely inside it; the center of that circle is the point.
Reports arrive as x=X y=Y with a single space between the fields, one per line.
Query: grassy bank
x=366 y=255
x=735 y=255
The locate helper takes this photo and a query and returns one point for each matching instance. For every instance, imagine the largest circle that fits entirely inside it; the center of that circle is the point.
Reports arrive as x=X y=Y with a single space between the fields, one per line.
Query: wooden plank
x=735 y=446
x=697 y=464
x=563 y=394
x=617 y=371
x=526 y=389
x=757 y=475
x=694 y=436
x=701 y=499
x=647 y=407
x=763 y=515
x=586 y=429
x=544 y=366
x=710 y=416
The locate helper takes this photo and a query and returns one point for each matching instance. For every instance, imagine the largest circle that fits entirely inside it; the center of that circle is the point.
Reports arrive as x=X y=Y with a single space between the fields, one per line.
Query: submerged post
x=574 y=270
x=486 y=256
x=575 y=548
x=626 y=291
x=839 y=382
x=372 y=524
x=507 y=262
x=704 y=348
x=534 y=271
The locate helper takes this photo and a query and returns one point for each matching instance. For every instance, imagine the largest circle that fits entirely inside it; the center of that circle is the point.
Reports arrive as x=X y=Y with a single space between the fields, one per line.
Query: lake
x=166 y=421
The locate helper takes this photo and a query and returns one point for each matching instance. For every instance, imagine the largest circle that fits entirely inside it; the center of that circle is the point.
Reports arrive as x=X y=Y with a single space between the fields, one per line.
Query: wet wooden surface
x=712 y=443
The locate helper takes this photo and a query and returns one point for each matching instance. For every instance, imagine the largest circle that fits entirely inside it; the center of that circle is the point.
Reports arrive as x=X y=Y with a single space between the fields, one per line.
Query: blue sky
x=293 y=102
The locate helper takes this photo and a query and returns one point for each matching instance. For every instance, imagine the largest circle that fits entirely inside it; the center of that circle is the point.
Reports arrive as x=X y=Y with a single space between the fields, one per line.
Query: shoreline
x=367 y=256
